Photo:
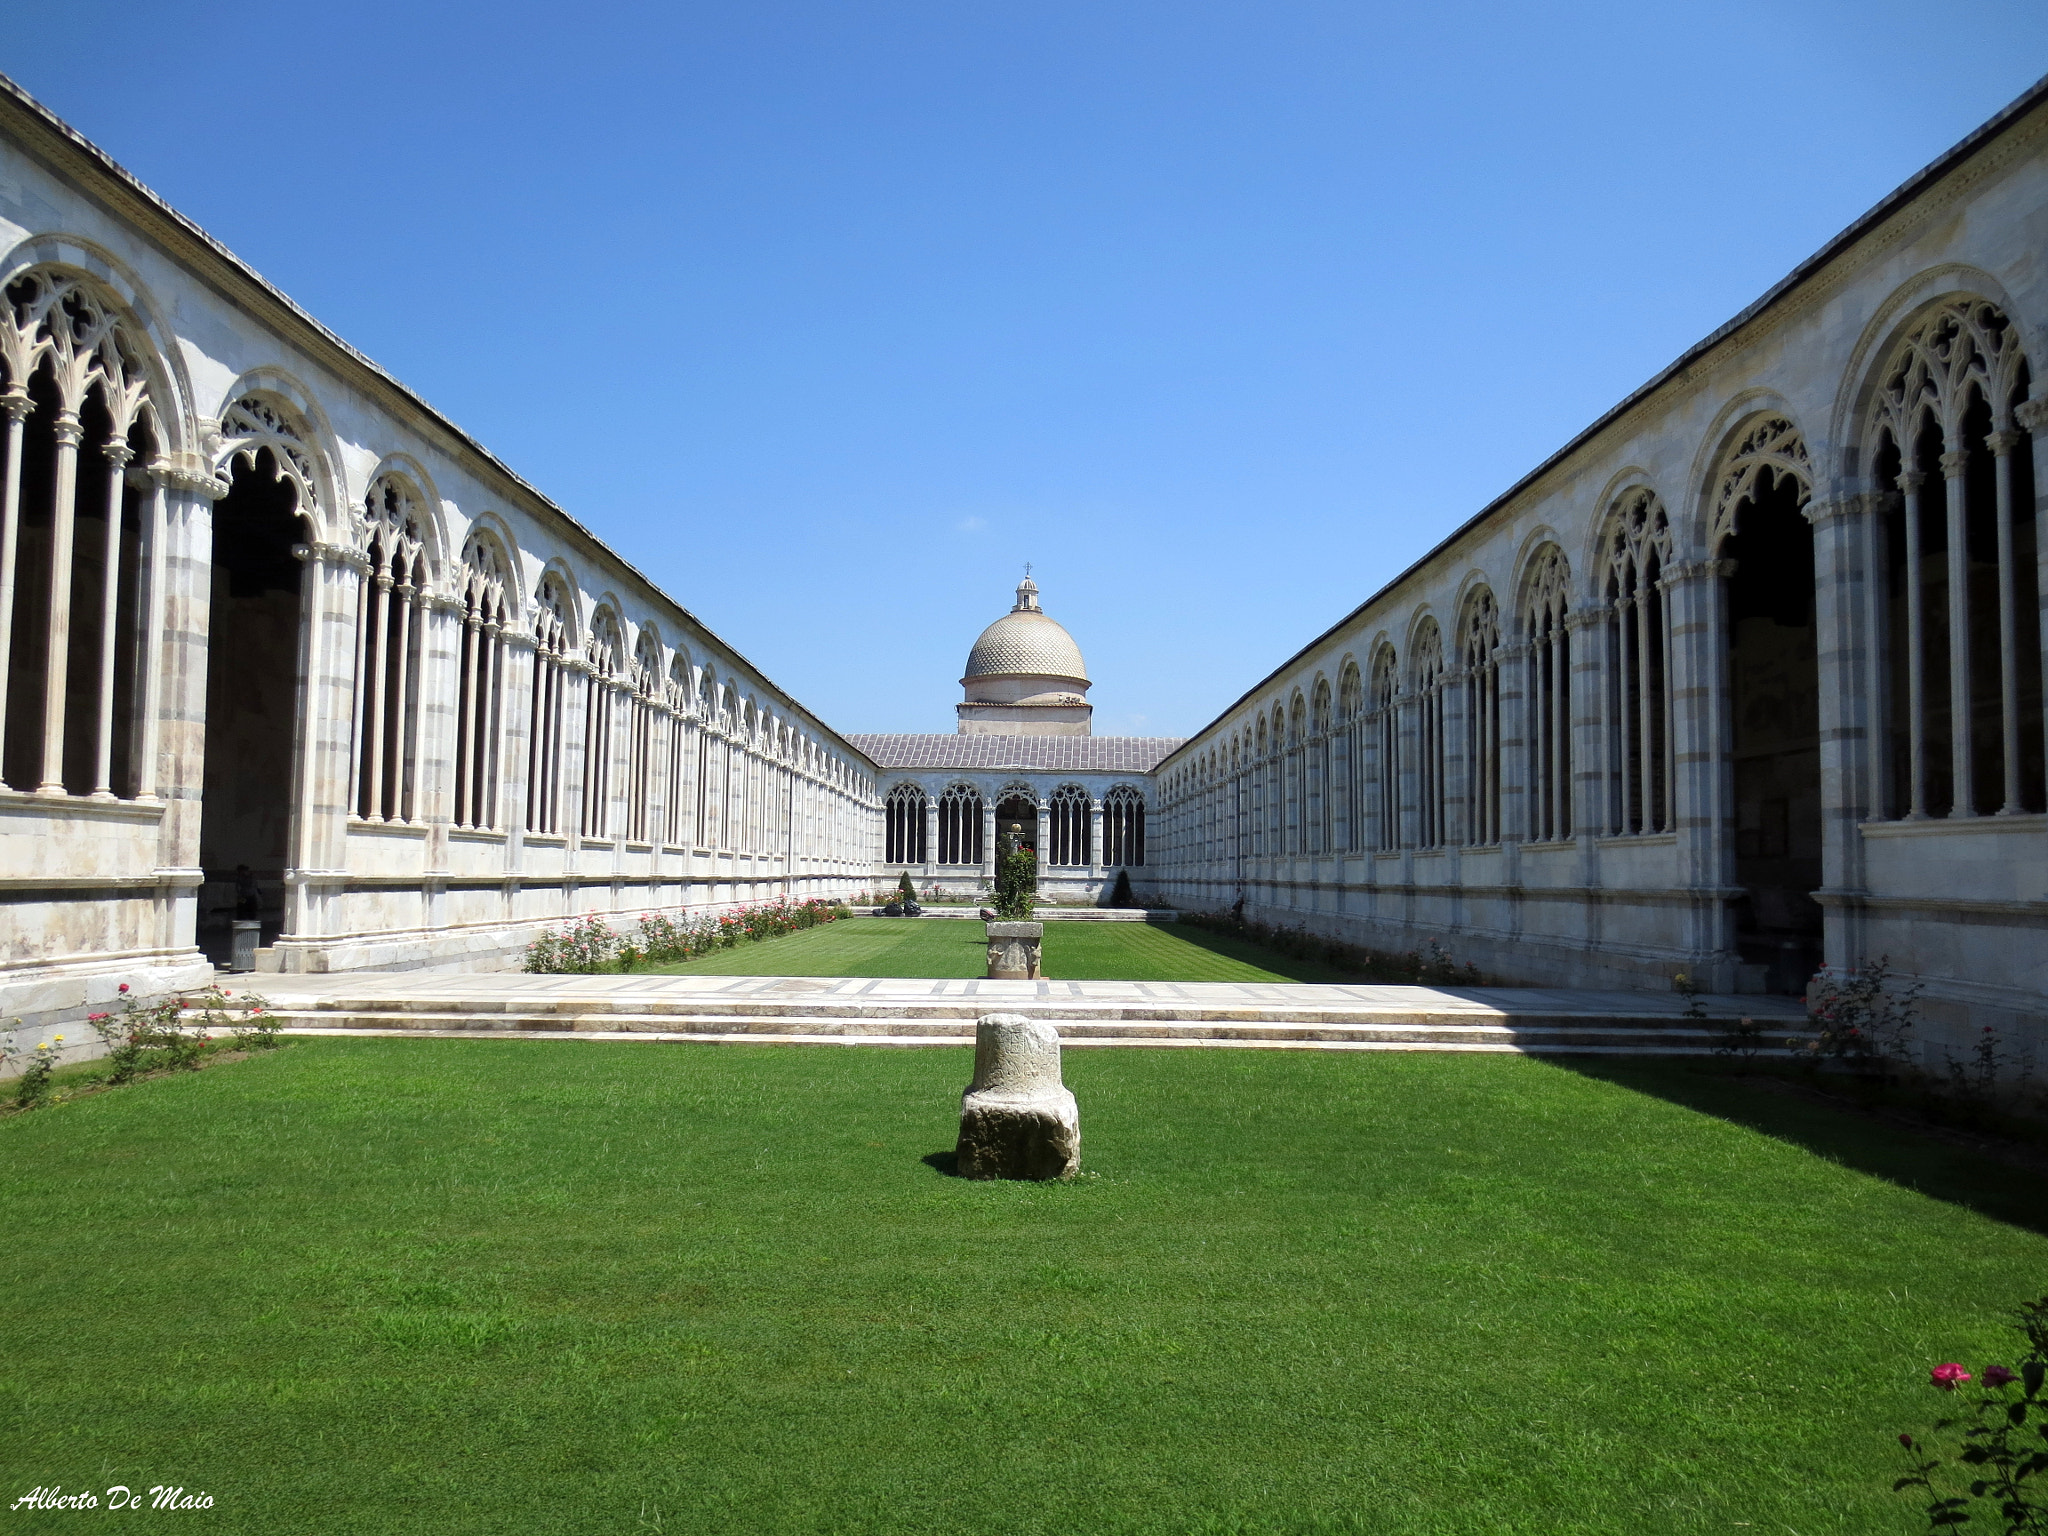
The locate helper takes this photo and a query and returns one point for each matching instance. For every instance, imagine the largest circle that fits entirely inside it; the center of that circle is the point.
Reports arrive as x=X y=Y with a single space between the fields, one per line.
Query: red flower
x=124 y=986
x=1906 y=1441
x=1948 y=1377
x=1997 y=1376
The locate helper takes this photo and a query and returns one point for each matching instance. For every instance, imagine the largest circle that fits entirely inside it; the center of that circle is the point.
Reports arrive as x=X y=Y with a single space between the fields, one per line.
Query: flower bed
x=590 y=944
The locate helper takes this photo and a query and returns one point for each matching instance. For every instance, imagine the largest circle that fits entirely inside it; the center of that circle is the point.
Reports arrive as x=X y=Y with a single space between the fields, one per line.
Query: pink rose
x=1997 y=1376
x=1948 y=1377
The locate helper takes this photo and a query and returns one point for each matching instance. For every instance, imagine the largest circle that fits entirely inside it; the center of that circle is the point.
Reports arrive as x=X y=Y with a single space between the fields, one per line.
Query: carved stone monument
x=1013 y=951
x=1017 y=1120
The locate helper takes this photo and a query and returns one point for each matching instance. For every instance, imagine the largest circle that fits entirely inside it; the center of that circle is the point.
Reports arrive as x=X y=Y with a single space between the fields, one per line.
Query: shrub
x=1992 y=1451
x=1859 y=1017
x=1016 y=885
x=905 y=891
x=32 y=1088
x=1120 y=894
x=589 y=945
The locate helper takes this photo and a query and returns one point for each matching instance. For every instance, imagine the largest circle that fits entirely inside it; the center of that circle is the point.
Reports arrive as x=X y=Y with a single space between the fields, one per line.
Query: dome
x=1026 y=642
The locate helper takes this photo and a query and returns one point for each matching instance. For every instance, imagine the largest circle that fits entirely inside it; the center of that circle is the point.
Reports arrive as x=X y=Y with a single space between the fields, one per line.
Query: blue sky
x=831 y=316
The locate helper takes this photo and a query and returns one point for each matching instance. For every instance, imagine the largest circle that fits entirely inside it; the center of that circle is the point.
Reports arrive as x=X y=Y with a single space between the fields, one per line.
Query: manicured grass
x=949 y=947
x=519 y=1286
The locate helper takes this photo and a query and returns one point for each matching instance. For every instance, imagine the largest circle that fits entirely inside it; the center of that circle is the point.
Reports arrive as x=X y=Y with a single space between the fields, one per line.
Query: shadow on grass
x=945 y=1163
x=1922 y=1161
x=1248 y=953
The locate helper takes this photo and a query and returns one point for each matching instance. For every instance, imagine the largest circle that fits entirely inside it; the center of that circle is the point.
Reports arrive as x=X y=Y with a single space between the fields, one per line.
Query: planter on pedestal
x=1013 y=951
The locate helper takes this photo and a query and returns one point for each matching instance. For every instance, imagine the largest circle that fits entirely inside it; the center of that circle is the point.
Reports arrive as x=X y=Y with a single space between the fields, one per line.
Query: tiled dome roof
x=1028 y=643
x=1025 y=642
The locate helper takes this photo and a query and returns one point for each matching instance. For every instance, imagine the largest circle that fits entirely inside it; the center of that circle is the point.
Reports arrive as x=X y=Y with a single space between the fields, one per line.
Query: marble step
x=1660 y=1035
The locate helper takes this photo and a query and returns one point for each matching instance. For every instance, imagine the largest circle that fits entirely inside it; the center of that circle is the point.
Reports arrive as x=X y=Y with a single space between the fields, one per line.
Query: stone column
x=988 y=840
x=2032 y=416
x=58 y=661
x=1095 y=849
x=1912 y=484
x=15 y=405
x=1962 y=759
x=1845 y=577
x=2002 y=444
x=931 y=836
x=118 y=454
x=1703 y=795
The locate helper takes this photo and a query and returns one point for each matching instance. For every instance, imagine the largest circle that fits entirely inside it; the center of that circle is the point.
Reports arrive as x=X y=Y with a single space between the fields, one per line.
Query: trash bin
x=248 y=935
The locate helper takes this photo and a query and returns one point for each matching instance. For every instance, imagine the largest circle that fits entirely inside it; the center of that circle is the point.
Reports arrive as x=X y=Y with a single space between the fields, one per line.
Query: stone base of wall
x=1951 y=1013
x=40 y=1002
x=1065 y=890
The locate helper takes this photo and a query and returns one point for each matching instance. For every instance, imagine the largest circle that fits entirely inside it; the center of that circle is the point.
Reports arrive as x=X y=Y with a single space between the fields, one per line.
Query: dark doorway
x=1774 y=674
x=1017 y=824
x=252 y=707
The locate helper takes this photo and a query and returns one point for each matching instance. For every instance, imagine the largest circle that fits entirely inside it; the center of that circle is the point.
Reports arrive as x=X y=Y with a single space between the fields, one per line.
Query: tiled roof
x=1057 y=754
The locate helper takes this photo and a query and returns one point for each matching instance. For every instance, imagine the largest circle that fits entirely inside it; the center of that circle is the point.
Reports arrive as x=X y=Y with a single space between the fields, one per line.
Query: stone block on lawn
x=1017 y=1119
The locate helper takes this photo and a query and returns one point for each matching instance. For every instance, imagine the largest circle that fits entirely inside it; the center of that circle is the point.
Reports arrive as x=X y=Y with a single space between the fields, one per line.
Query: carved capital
x=2003 y=443
x=1955 y=463
x=68 y=431
x=1583 y=618
x=16 y=405
x=1819 y=513
x=1911 y=479
x=2032 y=414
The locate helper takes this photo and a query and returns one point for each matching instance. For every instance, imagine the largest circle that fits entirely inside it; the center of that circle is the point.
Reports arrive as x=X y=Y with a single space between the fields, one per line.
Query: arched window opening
x=1384 y=739
x=1547 y=688
x=1771 y=724
x=960 y=825
x=645 y=688
x=603 y=660
x=1349 y=762
x=389 y=652
x=1432 y=799
x=73 y=637
x=679 y=795
x=1123 y=828
x=903 y=830
x=550 y=686
x=1296 y=765
x=1636 y=703
x=1260 y=775
x=1017 y=818
x=1952 y=446
x=1318 y=753
x=480 y=671
x=1479 y=646
x=1067 y=829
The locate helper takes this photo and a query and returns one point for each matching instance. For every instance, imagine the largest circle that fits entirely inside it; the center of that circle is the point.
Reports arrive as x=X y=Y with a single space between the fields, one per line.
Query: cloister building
x=283 y=645
x=1745 y=679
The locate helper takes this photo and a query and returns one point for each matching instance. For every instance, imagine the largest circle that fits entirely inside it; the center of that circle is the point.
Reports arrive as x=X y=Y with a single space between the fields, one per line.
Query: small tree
x=1120 y=896
x=905 y=891
x=1016 y=884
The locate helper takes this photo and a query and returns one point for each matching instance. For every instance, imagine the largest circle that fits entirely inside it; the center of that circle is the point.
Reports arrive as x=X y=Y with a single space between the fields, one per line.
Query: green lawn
x=945 y=947
x=567 y=1287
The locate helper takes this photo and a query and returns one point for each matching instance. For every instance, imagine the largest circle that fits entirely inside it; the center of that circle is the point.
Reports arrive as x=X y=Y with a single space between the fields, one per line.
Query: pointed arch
x=1635 y=556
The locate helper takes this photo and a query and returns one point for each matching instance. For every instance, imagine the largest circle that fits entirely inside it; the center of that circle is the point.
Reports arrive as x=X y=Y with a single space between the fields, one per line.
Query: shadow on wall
x=1923 y=1162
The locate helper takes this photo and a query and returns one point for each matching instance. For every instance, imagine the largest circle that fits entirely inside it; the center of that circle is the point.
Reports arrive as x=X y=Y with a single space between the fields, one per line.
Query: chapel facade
x=1024 y=768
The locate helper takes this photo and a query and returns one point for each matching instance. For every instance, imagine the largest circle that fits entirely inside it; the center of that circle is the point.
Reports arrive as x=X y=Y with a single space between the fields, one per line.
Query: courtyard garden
x=519 y=1286
x=945 y=948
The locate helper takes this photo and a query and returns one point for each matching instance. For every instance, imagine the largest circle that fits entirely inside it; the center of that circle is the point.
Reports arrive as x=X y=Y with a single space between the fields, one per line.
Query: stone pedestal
x=1017 y=1120
x=1013 y=951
